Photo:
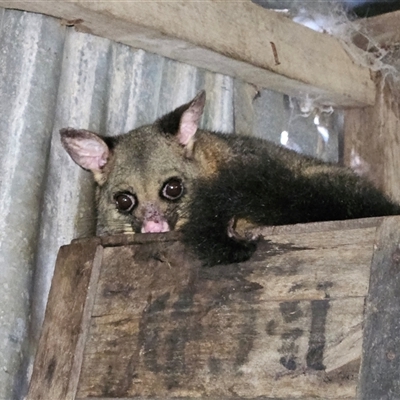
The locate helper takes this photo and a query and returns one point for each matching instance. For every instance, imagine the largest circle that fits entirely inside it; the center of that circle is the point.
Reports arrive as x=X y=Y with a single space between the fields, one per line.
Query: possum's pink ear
x=183 y=122
x=190 y=119
x=86 y=148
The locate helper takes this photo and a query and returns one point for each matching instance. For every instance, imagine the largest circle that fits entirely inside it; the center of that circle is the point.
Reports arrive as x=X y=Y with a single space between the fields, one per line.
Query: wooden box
x=137 y=317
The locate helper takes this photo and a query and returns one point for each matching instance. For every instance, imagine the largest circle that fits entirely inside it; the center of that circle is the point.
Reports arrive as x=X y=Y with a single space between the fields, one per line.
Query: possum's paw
x=225 y=251
x=232 y=251
x=218 y=243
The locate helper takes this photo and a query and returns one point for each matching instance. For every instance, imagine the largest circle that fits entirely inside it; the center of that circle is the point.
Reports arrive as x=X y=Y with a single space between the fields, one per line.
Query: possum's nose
x=153 y=220
x=155 y=226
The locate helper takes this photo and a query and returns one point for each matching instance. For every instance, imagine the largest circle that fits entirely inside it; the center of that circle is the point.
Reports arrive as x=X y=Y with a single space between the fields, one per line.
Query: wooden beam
x=380 y=358
x=57 y=368
x=239 y=39
x=382 y=29
x=371 y=142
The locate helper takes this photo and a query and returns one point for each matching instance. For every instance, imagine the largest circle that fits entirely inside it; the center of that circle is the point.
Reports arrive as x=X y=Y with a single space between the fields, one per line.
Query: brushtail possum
x=172 y=175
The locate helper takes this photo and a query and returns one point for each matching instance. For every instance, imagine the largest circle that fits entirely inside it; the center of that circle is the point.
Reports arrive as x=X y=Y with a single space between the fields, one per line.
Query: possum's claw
x=234 y=234
x=231 y=231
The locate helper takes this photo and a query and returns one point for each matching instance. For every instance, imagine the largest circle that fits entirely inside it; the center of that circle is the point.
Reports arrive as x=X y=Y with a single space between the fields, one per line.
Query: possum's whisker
x=118 y=227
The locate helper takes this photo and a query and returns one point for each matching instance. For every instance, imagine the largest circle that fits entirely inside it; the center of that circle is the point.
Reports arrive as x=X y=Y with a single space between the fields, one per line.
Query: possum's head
x=144 y=177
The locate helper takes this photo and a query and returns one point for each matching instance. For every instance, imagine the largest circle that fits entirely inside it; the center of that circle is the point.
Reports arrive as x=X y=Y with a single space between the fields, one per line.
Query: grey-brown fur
x=222 y=177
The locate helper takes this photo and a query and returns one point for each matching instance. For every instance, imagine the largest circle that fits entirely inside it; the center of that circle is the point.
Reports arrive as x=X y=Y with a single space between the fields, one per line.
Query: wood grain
x=380 y=372
x=287 y=323
x=137 y=317
x=239 y=39
x=382 y=29
x=59 y=357
x=371 y=139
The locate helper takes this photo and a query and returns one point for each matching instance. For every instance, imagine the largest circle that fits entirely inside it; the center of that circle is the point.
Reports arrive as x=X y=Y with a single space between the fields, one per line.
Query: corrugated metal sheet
x=30 y=60
x=53 y=77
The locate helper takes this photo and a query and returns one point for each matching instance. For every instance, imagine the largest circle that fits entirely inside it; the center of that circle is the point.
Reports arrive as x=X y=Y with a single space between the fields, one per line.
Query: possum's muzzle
x=153 y=220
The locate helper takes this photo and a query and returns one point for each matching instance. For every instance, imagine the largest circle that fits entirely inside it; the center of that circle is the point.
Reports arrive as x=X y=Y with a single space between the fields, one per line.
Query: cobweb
x=333 y=18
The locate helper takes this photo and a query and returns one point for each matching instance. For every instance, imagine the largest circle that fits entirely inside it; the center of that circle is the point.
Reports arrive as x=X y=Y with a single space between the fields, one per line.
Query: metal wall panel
x=67 y=209
x=53 y=77
x=30 y=57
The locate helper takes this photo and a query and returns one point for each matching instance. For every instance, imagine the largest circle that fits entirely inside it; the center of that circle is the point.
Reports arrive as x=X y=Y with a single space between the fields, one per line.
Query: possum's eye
x=172 y=189
x=125 y=201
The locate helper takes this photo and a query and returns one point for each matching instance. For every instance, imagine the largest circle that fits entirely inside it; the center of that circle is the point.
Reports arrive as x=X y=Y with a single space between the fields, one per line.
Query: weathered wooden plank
x=330 y=263
x=319 y=226
x=383 y=30
x=137 y=238
x=380 y=371
x=290 y=266
x=233 y=397
x=239 y=39
x=154 y=324
x=283 y=325
x=59 y=356
x=277 y=350
x=371 y=139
